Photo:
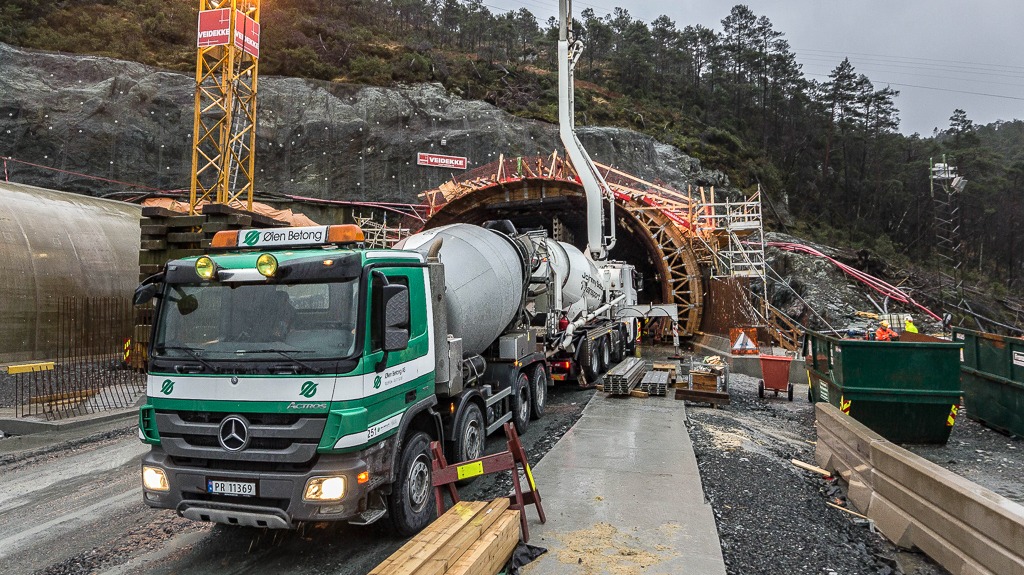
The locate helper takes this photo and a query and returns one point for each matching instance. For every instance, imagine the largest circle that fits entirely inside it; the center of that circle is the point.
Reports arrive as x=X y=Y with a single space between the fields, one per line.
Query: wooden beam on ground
x=433 y=550
x=492 y=550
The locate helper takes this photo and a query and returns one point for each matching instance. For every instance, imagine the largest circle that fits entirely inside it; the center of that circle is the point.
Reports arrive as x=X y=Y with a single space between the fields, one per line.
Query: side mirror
x=395 y=299
x=144 y=293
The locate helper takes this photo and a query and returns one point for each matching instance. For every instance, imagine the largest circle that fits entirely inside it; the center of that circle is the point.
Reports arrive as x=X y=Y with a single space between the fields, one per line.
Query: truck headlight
x=325 y=489
x=154 y=479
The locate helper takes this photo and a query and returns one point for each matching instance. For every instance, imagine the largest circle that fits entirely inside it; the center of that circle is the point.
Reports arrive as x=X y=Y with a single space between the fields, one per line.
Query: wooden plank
x=426 y=543
x=183 y=221
x=492 y=550
x=430 y=551
x=184 y=237
x=442 y=562
x=153 y=244
x=638 y=393
x=157 y=212
x=153 y=230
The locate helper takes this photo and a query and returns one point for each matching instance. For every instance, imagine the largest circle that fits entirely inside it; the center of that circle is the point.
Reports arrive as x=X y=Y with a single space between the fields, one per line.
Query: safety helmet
x=885 y=324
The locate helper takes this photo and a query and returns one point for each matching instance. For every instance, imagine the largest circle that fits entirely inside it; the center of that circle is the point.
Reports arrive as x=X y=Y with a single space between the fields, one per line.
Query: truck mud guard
x=403 y=427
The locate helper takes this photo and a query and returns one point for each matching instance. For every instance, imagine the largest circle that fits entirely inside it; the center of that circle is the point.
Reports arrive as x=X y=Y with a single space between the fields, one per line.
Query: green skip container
x=907 y=392
x=992 y=375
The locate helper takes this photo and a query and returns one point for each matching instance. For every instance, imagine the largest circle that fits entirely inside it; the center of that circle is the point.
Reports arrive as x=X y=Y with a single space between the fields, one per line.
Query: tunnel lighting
x=325 y=489
x=154 y=479
x=205 y=268
x=266 y=264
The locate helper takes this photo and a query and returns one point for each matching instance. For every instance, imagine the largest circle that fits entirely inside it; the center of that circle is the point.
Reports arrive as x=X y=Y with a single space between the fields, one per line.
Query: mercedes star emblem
x=234 y=433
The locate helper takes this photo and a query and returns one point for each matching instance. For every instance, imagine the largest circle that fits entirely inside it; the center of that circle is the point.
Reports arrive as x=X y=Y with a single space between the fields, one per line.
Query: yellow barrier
x=30 y=367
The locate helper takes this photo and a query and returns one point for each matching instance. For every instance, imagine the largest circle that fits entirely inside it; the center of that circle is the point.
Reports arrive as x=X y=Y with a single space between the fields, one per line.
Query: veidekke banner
x=247 y=34
x=438 y=161
x=214 y=27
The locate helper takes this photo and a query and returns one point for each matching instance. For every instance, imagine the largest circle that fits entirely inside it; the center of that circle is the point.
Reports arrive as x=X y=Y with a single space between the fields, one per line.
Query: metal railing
x=91 y=372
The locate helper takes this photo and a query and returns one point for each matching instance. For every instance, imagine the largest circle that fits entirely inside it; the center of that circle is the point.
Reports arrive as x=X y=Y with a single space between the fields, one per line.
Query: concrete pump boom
x=594 y=185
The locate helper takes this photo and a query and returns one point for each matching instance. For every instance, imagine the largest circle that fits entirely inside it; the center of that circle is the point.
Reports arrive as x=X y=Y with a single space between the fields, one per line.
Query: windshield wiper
x=192 y=352
x=287 y=355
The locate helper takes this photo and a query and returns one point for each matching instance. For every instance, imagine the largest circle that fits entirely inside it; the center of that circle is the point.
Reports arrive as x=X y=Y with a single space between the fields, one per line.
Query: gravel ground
x=772 y=516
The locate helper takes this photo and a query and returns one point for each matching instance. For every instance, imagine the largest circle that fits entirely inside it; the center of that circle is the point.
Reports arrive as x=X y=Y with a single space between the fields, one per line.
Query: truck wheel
x=539 y=397
x=470 y=434
x=760 y=388
x=606 y=353
x=411 y=502
x=791 y=392
x=592 y=362
x=521 y=403
x=618 y=348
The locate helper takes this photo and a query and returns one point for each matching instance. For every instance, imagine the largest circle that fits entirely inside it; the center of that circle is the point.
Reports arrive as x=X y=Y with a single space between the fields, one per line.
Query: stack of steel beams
x=622 y=378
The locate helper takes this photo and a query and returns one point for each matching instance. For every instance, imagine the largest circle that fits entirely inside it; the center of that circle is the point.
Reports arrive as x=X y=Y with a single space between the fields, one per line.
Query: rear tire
x=539 y=395
x=606 y=353
x=619 y=347
x=760 y=388
x=521 y=403
x=411 y=504
x=791 y=392
x=592 y=365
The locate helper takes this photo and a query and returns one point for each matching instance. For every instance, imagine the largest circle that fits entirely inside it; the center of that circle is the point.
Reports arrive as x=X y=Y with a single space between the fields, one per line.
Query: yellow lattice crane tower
x=224 y=131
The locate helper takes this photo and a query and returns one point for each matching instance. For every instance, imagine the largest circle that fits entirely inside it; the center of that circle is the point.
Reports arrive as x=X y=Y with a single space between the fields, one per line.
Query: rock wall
x=126 y=122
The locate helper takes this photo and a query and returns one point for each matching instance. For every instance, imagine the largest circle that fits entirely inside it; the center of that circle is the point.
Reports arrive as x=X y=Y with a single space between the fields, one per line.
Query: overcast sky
x=940 y=54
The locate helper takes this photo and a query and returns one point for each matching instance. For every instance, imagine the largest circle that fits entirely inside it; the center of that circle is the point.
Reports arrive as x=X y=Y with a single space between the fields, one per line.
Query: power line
x=932 y=88
x=954 y=78
x=910 y=58
x=913 y=66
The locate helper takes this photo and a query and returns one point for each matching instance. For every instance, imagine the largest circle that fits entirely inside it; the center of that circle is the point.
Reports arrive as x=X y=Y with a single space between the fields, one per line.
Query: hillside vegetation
x=828 y=154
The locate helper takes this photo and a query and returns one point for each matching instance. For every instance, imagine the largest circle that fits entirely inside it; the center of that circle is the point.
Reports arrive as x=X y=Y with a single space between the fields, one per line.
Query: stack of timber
x=471 y=538
x=622 y=378
x=168 y=235
x=655 y=383
x=672 y=369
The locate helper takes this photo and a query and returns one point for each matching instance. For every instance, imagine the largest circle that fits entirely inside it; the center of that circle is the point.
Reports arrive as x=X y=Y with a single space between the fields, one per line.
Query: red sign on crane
x=439 y=161
x=214 y=27
x=247 y=34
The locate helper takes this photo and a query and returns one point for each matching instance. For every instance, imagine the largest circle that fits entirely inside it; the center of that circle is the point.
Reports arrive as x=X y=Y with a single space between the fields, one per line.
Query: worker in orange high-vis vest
x=884 y=333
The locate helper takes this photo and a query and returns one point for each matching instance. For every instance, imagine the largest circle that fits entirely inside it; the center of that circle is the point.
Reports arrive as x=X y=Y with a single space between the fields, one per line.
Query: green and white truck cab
x=295 y=376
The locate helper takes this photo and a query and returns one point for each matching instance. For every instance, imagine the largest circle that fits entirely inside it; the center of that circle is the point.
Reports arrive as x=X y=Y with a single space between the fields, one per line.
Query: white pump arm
x=594 y=185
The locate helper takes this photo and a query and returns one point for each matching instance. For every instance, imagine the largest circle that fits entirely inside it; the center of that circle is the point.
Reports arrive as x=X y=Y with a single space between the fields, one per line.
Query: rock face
x=126 y=122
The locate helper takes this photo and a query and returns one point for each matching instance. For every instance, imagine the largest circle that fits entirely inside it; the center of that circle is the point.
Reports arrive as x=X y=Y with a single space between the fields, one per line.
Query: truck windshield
x=302 y=322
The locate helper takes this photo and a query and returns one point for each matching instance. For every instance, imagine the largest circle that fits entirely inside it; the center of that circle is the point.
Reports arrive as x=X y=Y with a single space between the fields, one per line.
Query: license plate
x=240 y=488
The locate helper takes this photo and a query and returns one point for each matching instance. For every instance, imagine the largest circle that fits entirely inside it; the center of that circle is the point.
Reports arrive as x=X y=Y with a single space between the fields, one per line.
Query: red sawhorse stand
x=445 y=476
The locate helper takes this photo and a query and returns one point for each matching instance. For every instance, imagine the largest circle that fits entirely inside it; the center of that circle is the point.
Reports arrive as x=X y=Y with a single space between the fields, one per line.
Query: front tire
x=521 y=403
x=470 y=434
x=539 y=389
x=411 y=505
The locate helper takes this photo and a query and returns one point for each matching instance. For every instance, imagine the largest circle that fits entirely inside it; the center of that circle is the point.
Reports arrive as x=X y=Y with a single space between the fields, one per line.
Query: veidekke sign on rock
x=439 y=161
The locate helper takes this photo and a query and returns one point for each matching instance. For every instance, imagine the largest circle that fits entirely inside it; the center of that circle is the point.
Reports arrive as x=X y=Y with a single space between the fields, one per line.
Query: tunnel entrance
x=645 y=237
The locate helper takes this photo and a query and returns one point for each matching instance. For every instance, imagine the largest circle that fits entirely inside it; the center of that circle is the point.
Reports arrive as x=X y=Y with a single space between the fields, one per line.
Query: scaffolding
x=946 y=187
x=378 y=234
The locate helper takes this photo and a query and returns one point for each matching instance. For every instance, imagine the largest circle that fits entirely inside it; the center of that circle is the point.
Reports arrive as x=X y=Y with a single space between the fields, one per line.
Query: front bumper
x=278 y=502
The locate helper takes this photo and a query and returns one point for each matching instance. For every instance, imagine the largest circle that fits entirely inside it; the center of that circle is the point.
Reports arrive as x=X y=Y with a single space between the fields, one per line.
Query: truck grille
x=287 y=439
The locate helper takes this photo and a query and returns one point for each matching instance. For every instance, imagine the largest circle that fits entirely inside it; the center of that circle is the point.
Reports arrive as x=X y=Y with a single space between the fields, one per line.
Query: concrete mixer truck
x=294 y=375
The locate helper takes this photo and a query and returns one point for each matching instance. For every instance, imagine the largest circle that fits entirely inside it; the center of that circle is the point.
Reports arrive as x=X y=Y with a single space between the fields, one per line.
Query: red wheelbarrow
x=775 y=371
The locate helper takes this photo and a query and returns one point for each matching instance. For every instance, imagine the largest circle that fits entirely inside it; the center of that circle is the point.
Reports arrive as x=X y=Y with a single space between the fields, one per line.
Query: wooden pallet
x=473 y=537
x=715 y=398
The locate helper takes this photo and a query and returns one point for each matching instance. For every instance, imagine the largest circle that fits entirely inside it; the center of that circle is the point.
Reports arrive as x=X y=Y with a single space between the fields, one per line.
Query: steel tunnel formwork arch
x=647 y=238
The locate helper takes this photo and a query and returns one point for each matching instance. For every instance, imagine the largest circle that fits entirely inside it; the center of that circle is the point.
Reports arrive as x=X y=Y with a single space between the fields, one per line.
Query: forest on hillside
x=827 y=154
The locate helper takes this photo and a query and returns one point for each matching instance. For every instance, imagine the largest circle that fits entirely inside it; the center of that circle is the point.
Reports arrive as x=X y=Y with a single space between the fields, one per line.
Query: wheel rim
x=524 y=398
x=419 y=482
x=540 y=393
x=606 y=352
x=595 y=362
x=471 y=439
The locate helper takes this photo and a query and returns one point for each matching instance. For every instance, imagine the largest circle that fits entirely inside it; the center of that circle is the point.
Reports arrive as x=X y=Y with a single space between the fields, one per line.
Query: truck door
x=395 y=380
